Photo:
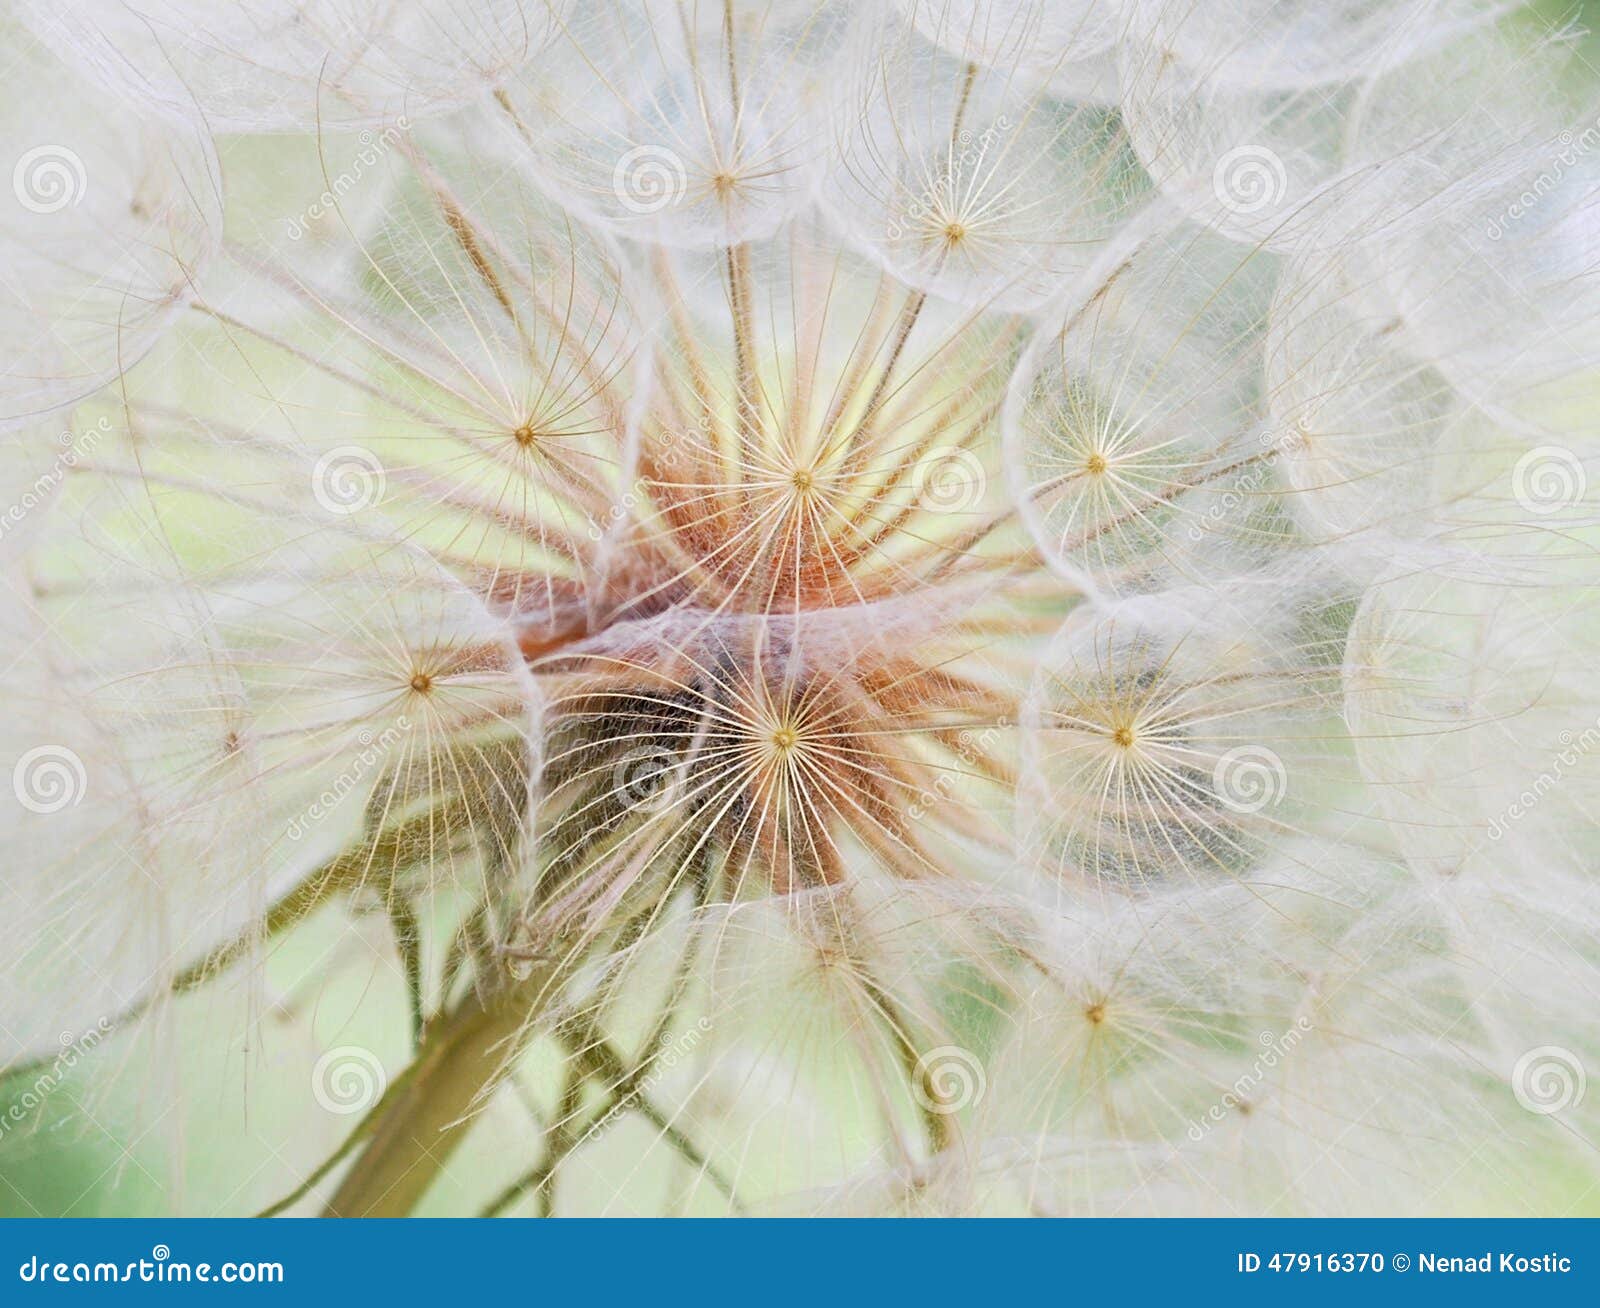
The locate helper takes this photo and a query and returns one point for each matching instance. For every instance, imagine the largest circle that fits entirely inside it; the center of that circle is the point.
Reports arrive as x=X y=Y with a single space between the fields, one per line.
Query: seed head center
x=1123 y=737
x=1096 y=463
x=525 y=435
x=421 y=682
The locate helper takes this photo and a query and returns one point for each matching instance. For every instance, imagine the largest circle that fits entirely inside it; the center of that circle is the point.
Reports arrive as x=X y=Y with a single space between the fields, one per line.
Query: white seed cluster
x=1023 y=569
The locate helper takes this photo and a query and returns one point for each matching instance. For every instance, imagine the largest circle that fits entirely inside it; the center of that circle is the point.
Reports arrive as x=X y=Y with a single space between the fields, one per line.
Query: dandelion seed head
x=921 y=609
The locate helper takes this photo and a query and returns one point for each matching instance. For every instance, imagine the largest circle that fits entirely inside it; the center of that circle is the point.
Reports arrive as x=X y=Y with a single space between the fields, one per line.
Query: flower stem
x=420 y=1122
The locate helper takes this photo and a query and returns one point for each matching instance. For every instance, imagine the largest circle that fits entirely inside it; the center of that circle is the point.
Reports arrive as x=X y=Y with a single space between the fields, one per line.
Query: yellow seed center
x=1123 y=736
x=1096 y=463
x=525 y=435
x=422 y=683
x=785 y=738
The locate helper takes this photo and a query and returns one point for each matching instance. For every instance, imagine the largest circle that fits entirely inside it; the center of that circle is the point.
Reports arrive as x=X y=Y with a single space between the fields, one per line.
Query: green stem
x=421 y=1121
